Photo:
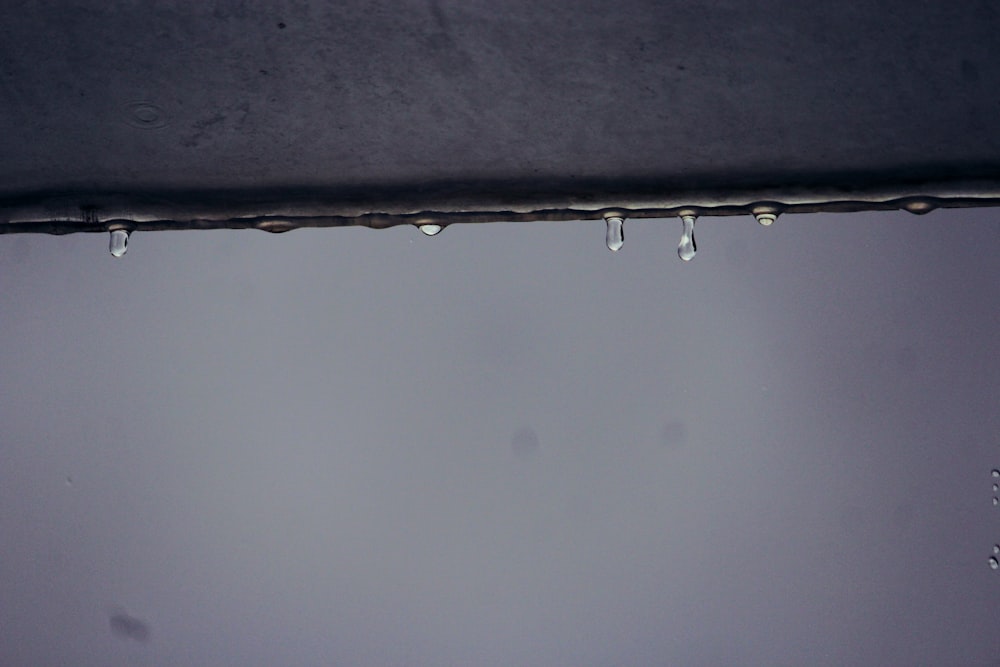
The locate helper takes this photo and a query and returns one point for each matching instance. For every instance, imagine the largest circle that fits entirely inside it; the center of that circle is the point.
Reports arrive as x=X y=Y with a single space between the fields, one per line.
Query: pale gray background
x=316 y=448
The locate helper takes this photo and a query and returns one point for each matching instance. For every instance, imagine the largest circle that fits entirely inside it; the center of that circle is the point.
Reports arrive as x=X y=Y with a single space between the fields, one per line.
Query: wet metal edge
x=68 y=214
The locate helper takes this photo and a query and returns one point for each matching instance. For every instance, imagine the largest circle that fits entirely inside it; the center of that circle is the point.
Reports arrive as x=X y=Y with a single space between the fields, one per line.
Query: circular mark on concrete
x=145 y=116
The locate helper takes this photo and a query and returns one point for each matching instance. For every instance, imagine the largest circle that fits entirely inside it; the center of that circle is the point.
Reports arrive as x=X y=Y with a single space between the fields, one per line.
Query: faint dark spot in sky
x=129 y=627
x=674 y=434
x=525 y=442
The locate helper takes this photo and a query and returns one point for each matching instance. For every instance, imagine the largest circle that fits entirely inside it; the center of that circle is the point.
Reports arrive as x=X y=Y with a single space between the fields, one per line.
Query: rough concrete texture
x=205 y=114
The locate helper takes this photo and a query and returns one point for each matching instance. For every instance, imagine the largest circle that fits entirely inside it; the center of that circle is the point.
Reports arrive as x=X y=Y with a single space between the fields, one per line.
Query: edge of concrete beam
x=281 y=211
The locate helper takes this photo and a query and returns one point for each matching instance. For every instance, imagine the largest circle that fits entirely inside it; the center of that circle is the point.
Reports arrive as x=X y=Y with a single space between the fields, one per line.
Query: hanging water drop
x=616 y=232
x=767 y=213
x=687 y=247
x=918 y=205
x=995 y=472
x=119 y=242
x=994 y=563
x=996 y=501
x=996 y=487
x=996 y=548
x=430 y=229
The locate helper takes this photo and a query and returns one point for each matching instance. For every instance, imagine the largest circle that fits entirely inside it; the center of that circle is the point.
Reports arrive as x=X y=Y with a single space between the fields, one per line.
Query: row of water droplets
x=616 y=233
x=118 y=244
x=686 y=249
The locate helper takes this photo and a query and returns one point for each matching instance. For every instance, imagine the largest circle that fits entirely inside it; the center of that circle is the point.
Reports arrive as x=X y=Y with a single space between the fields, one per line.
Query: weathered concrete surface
x=286 y=113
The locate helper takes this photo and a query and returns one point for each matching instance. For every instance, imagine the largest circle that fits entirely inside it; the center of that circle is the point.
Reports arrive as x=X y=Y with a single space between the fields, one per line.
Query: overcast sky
x=504 y=445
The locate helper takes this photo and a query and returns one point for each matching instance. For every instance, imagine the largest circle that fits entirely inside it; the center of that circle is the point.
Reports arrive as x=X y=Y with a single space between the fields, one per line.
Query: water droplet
x=119 y=242
x=996 y=487
x=995 y=473
x=996 y=501
x=616 y=232
x=276 y=225
x=766 y=214
x=996 y=548
x=918 y=206
x=994 y=563
x=687 y=247
x=431 y=229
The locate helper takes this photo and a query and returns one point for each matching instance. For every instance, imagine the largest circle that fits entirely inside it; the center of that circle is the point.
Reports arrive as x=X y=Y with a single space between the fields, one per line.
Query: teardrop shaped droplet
x=995 y=472
x=431 y=229
x=766 y=219
x=687 y=247
x=119 y=242
x=996 y=487
x=616 y=233
x=996 y=548
x=996 y=501
x=994 y=563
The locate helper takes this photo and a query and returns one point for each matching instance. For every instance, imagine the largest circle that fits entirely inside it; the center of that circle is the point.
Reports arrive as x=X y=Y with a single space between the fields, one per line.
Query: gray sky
x=320 y=448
